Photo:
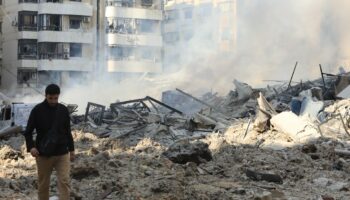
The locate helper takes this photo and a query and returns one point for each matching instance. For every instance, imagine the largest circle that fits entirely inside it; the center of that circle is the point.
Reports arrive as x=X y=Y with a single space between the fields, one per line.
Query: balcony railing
x=27 y=56
x=28 y=28
x=132 y=4
x=49 y=56
x=27 y=1
x=50 y=28
x=51 y=1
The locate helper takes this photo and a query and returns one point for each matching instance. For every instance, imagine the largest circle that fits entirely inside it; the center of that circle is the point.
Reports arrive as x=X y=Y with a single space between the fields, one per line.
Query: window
x=75 y=50
x=146 y=3
x=50 y=22
x=27 y=21
x=75 y=22
x=76 y=0
x=121 y=25
x=27 y=49
x=0 y=27
x=26 y=76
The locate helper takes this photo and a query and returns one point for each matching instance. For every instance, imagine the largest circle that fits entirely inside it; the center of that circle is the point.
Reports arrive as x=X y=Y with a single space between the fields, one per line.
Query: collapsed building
x=285 y=141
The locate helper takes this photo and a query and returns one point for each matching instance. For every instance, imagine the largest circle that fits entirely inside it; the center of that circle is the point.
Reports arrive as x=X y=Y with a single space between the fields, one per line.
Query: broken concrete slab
x=265 y=112
x=298 y=129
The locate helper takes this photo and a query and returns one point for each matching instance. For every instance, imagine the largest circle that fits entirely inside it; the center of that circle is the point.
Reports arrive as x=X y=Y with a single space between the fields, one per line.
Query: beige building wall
x=64 y=69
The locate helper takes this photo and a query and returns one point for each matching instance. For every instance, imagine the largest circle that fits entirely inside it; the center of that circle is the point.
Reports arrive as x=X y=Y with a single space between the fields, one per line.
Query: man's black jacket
x=42 y=118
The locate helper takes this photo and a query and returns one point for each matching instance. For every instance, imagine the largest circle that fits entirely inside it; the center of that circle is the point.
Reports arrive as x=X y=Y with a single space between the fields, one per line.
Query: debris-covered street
x=278 y=142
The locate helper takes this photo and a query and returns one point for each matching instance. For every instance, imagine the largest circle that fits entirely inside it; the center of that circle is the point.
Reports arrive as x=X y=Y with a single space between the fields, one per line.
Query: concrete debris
x=298 y=147
x=257 y=176
x=184 y=152
x=298 y=129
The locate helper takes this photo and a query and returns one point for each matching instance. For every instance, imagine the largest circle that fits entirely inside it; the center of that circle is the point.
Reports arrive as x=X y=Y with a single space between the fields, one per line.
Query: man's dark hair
x=52 y=89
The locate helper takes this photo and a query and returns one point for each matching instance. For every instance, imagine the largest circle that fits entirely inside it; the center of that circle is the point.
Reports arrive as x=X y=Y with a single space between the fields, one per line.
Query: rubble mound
x=185 y=151
x=8 y=153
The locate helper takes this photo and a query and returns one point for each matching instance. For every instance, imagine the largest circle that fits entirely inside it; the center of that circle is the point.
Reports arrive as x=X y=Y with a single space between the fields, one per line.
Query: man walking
x=54 y=146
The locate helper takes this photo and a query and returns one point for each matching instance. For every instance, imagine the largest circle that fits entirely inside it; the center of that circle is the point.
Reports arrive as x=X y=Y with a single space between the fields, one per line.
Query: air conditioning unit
x=66 y=55
x=66 y=49
x=86 y=19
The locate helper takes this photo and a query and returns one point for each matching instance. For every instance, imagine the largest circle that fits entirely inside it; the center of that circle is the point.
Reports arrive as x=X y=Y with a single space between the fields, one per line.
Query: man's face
x=52 y=99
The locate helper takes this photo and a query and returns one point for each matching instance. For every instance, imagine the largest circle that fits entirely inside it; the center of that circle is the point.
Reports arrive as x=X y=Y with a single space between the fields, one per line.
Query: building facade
x=46 y=41
x=193 y=26
x=133 y=36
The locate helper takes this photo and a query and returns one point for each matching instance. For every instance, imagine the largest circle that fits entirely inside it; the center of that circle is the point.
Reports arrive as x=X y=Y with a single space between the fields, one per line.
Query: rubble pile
x=279 y=142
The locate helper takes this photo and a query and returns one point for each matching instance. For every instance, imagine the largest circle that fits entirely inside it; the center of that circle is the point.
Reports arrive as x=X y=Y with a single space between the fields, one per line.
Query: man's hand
x=34 y=151
x=72 y=156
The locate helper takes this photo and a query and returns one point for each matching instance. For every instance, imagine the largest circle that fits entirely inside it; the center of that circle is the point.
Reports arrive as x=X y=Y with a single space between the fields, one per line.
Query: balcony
x=136 y=40
x=27 y=1
x=65 y=36
x=69 y=8
x=134 y=66
x=28 y=28
x=28 y=63
x=147 y=4
x=59 y=62
x=136 y=13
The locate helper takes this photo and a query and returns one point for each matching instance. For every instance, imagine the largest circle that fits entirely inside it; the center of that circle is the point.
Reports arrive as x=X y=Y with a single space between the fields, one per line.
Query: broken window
x=26 y=76
x=75 y=50
x=50 y=22
x=27 y=21
x=75 y=22
x=27 y=49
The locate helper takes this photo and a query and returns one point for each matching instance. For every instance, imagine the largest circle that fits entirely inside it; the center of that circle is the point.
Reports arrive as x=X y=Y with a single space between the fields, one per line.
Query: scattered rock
x=82 y=172
x=8 y=153
x=184 y=151
x=257 y=176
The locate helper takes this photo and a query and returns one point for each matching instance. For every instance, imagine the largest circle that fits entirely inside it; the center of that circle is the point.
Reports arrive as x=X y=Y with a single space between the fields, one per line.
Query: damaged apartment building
x=194 y=26
x=46 y=41
x=64 y=41
x=67 y=40
x=133 y=36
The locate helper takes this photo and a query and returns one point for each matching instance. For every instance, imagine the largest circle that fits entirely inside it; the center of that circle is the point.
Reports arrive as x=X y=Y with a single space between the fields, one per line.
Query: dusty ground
x=134 y=168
